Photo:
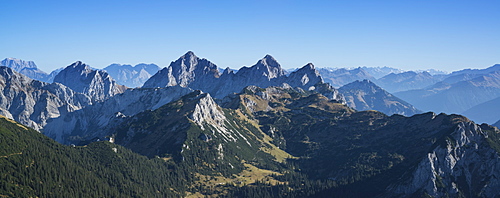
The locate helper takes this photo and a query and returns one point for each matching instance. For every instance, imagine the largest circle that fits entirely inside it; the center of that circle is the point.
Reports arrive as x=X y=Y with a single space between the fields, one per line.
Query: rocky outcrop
x=33 y=102
x=27 y=68
x=206 y=111
x=464 y=165
x=98 y=85
x=365 y=95
x=93 y=121
x=132 y=76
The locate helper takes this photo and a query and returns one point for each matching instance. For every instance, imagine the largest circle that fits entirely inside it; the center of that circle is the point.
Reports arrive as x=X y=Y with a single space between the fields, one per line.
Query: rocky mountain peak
x=80 y=66
x=227 y=71
x=97 y=84
x=269 y=67
x=32 y=102
x=189 y=59
x=187 y=71
x=305 y=77
x=309 y=66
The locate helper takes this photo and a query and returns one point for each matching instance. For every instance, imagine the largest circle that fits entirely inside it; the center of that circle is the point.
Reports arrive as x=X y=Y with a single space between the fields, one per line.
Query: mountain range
x=194 y=72
x=342 y=76
x=192 y=131
x=407 y=81
x=457 y=97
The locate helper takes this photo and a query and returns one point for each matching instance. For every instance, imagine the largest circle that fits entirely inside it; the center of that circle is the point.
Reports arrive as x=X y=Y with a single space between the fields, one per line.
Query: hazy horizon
x=444 y=35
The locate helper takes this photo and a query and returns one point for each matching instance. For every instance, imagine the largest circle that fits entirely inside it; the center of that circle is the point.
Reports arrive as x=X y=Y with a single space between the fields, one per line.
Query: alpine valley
x=190 y=130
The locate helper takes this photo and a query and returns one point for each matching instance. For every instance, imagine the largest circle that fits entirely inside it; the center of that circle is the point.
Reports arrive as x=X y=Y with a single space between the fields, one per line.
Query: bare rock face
x=206 y=111
x=464 y=165
x=305 y=77
x=98 y=85
x=33 y=102
x=187 y=71
x=92 y=121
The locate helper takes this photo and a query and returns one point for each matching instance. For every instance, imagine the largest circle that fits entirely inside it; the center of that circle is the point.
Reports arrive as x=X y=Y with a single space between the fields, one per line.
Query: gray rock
x=33 y=102
x=465 y=165
x=93 y=121
x=98 y=85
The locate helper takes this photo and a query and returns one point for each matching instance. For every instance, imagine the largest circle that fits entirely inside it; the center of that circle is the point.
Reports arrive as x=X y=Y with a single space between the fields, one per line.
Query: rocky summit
x=98 y=85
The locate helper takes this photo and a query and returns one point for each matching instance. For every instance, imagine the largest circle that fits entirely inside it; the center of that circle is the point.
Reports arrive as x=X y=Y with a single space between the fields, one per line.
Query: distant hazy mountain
x=197 y=73
x=52 y=75
x=81 y=78
x=379 y=72
x=486 y=112
x=342 y=76
x=497 y=124
x=365 y=95
x=433 y=72
x=32 y=102
x=469 y=74
x=132 y=76
x=27 y=68
x=406 y=81
x=457 y=97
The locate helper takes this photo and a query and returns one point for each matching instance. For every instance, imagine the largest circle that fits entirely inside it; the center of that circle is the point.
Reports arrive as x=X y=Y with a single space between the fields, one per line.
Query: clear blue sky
x=441 y=34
